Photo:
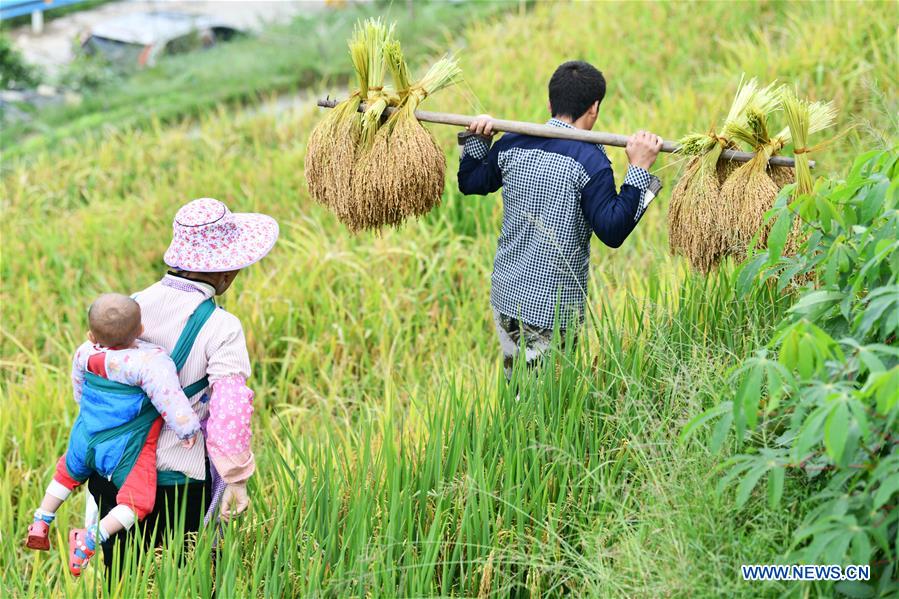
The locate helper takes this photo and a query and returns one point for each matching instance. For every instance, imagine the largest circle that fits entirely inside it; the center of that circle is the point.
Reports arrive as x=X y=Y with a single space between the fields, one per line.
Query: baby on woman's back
x=126 y=388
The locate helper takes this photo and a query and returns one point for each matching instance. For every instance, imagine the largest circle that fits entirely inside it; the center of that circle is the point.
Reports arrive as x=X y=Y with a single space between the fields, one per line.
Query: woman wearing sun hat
x=210 y=246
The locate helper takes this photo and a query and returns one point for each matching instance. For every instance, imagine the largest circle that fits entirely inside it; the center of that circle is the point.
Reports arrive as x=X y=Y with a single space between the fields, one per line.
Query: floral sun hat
x=210 y=238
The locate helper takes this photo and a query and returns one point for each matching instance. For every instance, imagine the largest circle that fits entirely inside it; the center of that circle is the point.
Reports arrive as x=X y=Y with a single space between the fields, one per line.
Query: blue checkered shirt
x=556 y=194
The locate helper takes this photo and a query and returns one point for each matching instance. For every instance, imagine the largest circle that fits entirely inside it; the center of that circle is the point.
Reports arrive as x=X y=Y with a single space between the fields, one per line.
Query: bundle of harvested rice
x=677 y=235
x=697 y=222
x=748 y=193
x=803 y=119
x=751 y=188
x=403 y=174
x=331 y=150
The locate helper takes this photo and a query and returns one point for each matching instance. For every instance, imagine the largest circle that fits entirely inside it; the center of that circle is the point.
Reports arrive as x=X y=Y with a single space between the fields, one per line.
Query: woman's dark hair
x=574 y=87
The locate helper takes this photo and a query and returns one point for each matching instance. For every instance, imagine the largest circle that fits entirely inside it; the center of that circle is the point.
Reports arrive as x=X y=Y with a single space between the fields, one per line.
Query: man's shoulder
x=590 y=156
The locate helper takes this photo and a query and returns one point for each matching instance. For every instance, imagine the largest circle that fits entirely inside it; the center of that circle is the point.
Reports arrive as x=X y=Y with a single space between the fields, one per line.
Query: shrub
x=821 y=401
x=15 y=73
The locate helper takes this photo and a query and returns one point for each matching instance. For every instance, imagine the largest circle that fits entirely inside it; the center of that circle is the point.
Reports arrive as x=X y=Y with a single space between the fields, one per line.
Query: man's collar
x=554 y=122
x=188 y=285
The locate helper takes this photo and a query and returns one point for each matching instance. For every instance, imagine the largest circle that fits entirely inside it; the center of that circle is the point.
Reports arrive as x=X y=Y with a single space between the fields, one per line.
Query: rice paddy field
x=393 y=460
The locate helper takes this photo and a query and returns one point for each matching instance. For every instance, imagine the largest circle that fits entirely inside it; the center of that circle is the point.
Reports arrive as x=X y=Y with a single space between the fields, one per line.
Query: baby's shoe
x=38 y=536
x=81 y=548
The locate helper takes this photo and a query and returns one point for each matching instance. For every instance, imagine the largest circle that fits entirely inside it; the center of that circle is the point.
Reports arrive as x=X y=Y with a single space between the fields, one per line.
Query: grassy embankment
x=281 y=59
x=391 y=460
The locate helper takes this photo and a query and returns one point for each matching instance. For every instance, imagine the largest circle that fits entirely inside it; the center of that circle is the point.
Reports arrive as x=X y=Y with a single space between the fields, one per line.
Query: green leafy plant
x=821 y=400
x=14 y=71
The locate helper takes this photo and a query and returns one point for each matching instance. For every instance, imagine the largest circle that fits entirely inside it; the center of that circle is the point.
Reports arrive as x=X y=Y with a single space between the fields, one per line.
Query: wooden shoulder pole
x=596 y=137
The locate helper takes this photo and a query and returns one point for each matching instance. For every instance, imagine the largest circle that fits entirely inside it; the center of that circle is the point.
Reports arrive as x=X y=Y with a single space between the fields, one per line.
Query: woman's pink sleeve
x=228 y=429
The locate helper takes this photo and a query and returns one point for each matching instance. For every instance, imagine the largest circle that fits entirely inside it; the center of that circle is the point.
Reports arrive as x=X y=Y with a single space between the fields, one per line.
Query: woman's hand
x=235 y=501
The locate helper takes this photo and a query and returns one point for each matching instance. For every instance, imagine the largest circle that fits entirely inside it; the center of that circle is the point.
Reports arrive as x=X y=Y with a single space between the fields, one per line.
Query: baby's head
x=114 y=320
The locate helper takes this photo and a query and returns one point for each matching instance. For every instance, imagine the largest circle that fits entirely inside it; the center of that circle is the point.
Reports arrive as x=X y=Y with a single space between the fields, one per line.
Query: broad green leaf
x=860 y=548
x=887 y=488
x=810 y=434
x=748 y=274
x=816 y=303
x=719 y=434
x=855 y=589
x=835 y=430
x=775 y=486
x=789 y=348
x=857 y=409
x=749 y=395
x=887 y=390
x=697 y=421
x=777 y=237
x=744 y=489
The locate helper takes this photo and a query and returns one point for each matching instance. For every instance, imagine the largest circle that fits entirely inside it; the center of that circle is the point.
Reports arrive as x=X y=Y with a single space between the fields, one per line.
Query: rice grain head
x=676 y=209
x=705 y=229
x=749 y=193
x=724 y=168
x=782 y=175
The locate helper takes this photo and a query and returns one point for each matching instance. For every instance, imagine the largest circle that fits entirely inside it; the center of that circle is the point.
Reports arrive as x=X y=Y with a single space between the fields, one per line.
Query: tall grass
x=393 y=460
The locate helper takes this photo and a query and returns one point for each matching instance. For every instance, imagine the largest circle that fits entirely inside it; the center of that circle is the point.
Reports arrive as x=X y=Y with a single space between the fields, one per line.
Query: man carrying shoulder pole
x=556 y=194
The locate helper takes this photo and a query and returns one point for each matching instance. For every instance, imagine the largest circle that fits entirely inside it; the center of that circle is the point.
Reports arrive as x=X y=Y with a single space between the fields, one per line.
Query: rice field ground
x=392 y=459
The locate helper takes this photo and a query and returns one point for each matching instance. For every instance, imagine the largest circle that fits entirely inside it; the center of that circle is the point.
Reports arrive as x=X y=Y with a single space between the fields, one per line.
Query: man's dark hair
x=574 y=87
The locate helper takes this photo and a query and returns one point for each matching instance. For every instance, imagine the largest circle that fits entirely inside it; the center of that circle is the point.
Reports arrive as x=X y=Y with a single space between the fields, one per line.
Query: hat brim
x=257 y=234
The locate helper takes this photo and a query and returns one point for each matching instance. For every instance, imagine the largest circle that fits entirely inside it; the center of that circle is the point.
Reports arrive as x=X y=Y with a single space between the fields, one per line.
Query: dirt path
x=54 y=48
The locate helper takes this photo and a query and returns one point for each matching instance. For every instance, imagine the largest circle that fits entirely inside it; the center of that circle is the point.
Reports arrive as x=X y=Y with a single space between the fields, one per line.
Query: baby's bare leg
x=121 y=517
x=50 y=503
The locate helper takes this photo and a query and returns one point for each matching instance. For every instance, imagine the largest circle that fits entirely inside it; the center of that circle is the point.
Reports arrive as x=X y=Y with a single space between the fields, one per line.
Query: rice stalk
x=376 y=34
x=803 y=119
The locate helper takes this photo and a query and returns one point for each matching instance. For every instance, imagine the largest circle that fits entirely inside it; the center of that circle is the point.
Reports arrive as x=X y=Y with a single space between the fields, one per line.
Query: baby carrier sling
x=111 y=451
